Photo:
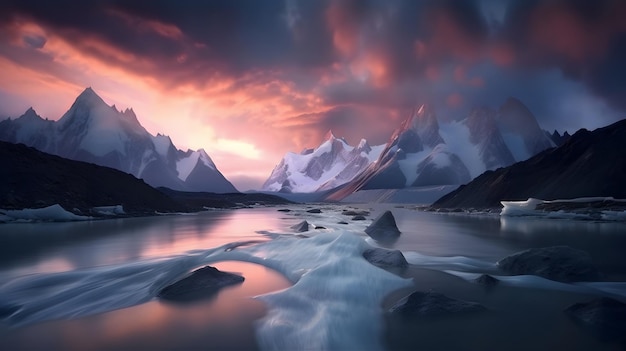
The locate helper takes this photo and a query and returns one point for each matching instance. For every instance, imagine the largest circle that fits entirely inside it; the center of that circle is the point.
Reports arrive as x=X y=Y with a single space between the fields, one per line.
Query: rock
x=283 y=210
x=200 y=284
x=430 y=304
x=319 y=227
x=605 y=317
x=342 y=222
x=358 y=218
x=559 y=263
x=384 y=228
x=385 y=258
x=355 y=213
x=487 y=281
x=300 y=227
x=314 y=210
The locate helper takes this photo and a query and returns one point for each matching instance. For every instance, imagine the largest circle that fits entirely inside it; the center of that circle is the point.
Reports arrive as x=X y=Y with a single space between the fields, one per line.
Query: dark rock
x=605 y=317
x=30 y=178
x=385 y=258
x=587 y=164
x=487 y=281
x=314 y=210
x=358 y=218
x=319 y=227
x=301 y=227
x=202 y=283
x=355 y=213
x=342 y=222
x=283 y=210
x=384 y=228
x=559 y=263
x=431 y=304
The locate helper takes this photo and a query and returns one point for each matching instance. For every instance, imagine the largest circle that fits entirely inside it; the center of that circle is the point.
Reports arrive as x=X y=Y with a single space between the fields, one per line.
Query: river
x=91 y=285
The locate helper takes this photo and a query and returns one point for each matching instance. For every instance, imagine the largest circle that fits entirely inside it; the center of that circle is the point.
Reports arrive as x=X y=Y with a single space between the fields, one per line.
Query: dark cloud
x=371 y=55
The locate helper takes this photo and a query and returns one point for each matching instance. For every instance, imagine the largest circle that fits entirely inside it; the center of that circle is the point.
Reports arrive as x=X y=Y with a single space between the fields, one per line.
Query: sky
x=251 y=80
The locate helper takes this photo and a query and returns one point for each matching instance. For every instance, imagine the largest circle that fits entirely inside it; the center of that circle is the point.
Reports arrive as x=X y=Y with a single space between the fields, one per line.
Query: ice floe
x=54 y=213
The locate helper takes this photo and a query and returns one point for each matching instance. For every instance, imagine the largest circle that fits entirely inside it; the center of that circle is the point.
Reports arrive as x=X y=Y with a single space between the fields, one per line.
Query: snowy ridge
x=425 y=152
x=331 y=164
x=95 y=132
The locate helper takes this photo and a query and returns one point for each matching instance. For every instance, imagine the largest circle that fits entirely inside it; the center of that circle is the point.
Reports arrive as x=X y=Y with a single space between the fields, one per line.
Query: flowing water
x=92 y=285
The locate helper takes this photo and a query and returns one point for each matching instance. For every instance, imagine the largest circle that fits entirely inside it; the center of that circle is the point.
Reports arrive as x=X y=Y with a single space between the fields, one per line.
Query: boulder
x=605 y=317
x=431 y=304
x=300 y=227
x=559 y=263
x=200 y=284
x=384 y=228
x=385 y=258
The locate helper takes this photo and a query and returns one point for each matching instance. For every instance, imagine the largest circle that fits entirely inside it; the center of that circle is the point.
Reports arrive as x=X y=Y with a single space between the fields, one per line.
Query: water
x=299 y=293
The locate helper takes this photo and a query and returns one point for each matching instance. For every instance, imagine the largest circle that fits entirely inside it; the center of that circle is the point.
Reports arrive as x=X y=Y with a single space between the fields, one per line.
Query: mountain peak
x=30 y=115
x=329 y=135
x=89 y=98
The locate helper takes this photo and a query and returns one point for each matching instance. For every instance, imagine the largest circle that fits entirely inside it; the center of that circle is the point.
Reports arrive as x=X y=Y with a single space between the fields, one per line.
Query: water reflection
x=224 y=322
x=56 y=247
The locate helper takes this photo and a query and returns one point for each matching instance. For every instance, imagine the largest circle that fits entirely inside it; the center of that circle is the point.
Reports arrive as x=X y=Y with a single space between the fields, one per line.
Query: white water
x=335 y=300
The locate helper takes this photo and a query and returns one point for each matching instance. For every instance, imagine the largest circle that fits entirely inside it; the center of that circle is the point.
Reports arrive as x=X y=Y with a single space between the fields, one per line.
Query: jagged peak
x=30 y=115
x=329 y=135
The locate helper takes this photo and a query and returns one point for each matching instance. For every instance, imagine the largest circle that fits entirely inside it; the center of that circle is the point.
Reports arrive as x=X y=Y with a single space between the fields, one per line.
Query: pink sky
x=248 y=83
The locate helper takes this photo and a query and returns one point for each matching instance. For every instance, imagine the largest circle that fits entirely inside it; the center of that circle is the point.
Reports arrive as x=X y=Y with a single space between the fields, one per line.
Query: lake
x=92 y=285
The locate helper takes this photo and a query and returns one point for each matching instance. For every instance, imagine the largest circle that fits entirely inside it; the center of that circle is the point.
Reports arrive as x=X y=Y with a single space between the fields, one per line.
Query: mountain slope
x=588 y=164
x=423 y=152
x=31 y=178
x=331 y=164
x=93 y=131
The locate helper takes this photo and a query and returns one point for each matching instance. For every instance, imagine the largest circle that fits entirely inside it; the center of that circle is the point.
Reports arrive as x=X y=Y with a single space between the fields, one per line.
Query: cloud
x=264 y=77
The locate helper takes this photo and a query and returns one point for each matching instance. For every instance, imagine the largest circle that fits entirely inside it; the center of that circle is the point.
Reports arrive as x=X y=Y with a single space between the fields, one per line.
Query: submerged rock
x=359 y=218
x=319 y=227
x=342 y=222
x=283 y=210
x=487 y=281
x=559 y=263
x=384 y=228
x=300 y=227
x=355 y=213
x=605 y=317
x=314 y=210
x=202 y=283
x=432 y=304
x=385 y=258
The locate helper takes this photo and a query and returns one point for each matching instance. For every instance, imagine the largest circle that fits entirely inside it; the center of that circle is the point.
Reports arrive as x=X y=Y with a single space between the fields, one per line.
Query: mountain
x=423 y=152
x=557 y=138
x=331 y=164
x=95 y=132
x=30 y=178
x=588 y=164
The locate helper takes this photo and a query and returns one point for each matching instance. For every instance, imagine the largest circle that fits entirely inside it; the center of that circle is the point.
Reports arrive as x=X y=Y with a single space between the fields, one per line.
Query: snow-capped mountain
x=331 y=164
x=95 y=132
x=423 y=152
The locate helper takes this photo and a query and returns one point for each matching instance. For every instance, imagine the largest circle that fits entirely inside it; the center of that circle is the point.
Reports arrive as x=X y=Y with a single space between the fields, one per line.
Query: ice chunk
x=50 y=213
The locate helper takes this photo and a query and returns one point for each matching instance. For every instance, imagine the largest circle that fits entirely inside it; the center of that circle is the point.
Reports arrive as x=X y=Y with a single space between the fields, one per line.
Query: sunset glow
x=248 y=81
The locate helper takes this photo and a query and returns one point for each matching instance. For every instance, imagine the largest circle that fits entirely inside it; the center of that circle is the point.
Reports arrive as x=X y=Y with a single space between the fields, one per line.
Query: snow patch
x=161 y=143
x=517 y=146
x=457 y=137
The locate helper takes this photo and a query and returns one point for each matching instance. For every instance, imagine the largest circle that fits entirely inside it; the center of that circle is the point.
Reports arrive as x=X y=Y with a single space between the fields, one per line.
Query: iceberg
x=578 y=208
